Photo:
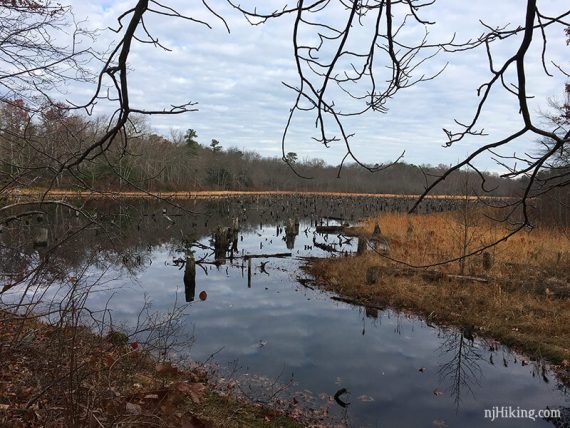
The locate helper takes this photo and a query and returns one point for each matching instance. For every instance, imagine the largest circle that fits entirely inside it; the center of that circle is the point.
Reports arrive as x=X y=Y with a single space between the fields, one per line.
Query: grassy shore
x=54 y=376
x=517 y=292
x=39 y=193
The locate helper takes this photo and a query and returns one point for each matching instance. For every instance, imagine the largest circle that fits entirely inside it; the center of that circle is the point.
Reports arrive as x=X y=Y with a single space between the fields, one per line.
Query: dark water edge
x=279 y=339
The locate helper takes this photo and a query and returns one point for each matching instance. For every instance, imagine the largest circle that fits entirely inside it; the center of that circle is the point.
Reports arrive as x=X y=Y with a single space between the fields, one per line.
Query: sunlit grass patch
x=524 y=301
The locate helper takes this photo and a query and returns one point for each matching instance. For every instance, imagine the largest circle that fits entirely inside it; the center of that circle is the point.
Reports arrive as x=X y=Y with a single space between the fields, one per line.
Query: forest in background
x=34 y=147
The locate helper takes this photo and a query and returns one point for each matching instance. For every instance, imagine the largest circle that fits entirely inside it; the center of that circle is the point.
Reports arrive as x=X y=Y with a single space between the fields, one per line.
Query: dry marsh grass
x=518 y=305
x=424 y=240
x=38 y=193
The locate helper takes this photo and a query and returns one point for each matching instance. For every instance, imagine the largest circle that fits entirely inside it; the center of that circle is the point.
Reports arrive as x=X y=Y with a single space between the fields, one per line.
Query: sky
x=236 y=80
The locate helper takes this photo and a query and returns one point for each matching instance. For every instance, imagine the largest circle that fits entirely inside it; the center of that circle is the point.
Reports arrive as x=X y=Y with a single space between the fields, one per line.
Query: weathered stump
x=291 y=232
x=373 y=274
x=371 y=312
x=220 y=244
x=362 y=245
x=41 y=236
x=190 y=278
x=249 y=273
x=377 y=231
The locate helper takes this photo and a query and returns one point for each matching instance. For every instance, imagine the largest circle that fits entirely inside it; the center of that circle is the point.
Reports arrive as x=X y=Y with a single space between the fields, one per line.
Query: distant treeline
x=180 y=163
x=33 y=147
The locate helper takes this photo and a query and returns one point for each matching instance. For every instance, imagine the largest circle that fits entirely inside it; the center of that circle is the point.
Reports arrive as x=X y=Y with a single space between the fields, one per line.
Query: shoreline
x=523 y=300
x=70 y=375
x=556 y=358
x=214 y=194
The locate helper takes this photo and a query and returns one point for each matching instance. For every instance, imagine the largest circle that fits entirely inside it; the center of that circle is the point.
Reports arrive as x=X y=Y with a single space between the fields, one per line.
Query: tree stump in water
x=190 y=278
x=249 y=273
x=377 y=231
x=291 y=232
x=362 y=245
x=41 y=237
x=220 y=243
x=234 y=233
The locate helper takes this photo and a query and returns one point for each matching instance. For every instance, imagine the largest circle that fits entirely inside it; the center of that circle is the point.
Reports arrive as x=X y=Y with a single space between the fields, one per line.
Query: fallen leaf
x=197 y=391
x=437 y=392
x=166 y=369
x=4 y=407
x=203 y=295
x=565 y=363
x=365 y=398
x=194 y=390
x=439 y=423
x=182 y=387
x=134 y=409
x=134 y=346
x=142 y=379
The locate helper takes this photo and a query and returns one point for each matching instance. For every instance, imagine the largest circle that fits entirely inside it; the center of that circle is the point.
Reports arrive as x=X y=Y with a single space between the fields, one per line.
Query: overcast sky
x=236 y=80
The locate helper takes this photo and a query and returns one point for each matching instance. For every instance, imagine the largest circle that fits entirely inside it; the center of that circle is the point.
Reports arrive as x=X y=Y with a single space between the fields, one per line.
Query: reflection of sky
x=319 y=340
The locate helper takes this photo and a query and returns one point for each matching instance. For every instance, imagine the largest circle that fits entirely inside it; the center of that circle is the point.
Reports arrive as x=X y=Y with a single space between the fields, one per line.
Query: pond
x=269 y=333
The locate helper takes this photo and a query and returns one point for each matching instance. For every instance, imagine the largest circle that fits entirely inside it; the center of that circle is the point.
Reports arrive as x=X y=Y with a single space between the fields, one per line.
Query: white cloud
x=236 y=79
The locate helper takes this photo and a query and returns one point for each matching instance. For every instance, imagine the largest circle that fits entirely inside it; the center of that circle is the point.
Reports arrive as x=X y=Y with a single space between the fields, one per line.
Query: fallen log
x=265 y=256
x=330 y=229
x=468 y=278
x=325 y=247
x=374 y=272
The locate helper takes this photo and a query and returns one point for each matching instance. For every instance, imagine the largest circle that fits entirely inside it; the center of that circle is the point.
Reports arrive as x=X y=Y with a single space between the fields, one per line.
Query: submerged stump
x=190 y=278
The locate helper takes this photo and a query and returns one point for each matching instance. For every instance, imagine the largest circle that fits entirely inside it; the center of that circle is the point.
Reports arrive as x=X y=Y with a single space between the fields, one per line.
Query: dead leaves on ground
x=123 y=383
x=167 y=401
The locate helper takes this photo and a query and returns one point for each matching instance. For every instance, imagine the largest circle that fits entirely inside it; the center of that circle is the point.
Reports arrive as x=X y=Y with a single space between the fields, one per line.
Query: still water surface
x=281 y=339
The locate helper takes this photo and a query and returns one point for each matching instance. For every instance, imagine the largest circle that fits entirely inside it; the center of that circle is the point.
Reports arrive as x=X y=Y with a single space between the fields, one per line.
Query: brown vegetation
x=54 y=376
x=37 y=193
x=521 y=295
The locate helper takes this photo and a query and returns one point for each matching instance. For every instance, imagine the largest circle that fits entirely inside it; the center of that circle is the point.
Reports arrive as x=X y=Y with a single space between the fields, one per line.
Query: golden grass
x=36 y=193
x=423 y=240
x=518 y=305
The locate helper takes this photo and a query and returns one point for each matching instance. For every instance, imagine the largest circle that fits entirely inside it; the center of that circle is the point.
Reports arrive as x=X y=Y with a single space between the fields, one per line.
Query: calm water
x=282 y=340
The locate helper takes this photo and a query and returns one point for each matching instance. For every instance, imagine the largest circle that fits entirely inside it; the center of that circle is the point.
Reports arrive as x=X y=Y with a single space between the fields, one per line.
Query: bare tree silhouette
x=330 y=67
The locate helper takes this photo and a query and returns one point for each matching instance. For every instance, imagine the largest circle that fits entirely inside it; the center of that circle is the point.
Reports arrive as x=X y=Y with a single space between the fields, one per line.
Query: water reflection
x=461 y=370
x=276 y=337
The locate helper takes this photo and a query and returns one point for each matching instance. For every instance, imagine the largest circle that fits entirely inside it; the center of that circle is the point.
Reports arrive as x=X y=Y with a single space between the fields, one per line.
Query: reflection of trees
x=123 y=233
x=563 y=421
x=462 y=371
